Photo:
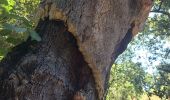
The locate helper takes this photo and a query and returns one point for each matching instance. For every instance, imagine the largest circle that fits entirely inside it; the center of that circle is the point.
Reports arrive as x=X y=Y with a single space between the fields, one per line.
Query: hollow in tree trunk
x=80 y=41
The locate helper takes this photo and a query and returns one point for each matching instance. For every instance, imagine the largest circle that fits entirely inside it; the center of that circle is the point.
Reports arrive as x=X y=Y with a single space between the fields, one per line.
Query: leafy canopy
x=16 y=23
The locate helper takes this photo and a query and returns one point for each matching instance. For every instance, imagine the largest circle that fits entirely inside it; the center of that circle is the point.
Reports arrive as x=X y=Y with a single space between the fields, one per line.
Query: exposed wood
x=80 y=41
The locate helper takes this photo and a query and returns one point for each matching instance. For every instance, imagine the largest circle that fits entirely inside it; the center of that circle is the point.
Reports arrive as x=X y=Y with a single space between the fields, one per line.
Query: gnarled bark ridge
x=80 y=41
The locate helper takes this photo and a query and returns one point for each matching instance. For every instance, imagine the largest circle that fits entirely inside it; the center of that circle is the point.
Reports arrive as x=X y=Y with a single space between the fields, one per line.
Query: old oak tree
x=80 y=40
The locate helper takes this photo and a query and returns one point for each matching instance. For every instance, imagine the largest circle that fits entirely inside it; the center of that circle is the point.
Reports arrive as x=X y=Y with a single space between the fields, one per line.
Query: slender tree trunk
x=80 y=41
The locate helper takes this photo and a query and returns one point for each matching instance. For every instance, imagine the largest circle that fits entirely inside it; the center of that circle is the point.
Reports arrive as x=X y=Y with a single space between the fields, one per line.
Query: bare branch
x=160 y=11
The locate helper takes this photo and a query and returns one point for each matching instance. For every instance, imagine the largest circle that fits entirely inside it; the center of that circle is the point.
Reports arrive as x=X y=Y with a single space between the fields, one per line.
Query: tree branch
x=159 y=10
x=160 y=5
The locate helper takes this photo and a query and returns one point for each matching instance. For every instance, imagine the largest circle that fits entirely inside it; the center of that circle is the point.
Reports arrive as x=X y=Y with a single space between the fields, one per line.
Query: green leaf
x=34 y=35
x=7 y=8
x=7 y=5
x=24 y=19
x=8 y=27
x=17 y=17
x=20 y=30
x=1 y=57
x=14 y=28
x=11 y=2
x=4 y=2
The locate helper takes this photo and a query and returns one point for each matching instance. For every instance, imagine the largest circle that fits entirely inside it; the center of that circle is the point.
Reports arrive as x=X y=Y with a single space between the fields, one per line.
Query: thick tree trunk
x=80 y=41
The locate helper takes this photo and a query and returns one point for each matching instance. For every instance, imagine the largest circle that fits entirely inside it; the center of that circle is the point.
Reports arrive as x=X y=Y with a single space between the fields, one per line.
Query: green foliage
x=126 y=81
x=161 y=84
x=16 y=23
x=136 y=70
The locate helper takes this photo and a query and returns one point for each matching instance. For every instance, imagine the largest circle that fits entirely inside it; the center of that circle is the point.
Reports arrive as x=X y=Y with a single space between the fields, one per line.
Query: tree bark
x=80 y=41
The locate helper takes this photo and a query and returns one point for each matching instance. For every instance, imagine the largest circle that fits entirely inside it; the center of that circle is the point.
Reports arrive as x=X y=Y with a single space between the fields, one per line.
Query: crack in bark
x=121 y=47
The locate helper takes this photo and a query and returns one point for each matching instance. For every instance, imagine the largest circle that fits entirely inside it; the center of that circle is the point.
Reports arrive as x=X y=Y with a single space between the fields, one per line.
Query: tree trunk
x=80 y=41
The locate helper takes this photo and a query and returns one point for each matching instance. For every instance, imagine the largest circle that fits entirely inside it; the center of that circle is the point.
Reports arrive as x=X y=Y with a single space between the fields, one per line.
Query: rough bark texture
x=53 y=69
x=80 y=41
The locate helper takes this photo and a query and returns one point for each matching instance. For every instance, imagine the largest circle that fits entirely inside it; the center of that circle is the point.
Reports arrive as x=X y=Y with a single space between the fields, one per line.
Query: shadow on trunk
x=53 y=69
